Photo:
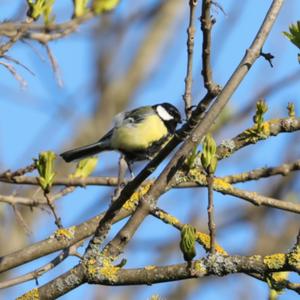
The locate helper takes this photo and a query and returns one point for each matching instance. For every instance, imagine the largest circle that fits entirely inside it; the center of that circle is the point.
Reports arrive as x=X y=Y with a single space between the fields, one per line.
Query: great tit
x=138 y=134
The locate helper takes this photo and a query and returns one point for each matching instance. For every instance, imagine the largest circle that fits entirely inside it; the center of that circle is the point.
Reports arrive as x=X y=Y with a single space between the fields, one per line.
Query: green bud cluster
x=187 y=242
x=46 y=170
x=258 y=119
x=192 y=157
x=291 y=110
x=208 y=156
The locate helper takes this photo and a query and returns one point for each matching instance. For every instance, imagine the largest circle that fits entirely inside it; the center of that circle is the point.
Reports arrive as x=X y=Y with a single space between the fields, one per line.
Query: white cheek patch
x=163 y=113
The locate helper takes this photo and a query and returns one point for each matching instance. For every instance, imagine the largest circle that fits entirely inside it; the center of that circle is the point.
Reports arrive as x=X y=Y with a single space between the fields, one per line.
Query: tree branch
x=187 y=97
x=213 y=265
x=206 y=27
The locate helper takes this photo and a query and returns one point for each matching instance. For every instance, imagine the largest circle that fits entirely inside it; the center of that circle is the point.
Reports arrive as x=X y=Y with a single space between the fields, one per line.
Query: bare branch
x=52 y=244
x=187 y=97
x=53 y=210
x=254 y=174
x=36 y=273
x=54 y=65
x=211 y=214
x=18 y=63
x=13 y=71
x=264 y=172
x=206 y=27
x=213 y=265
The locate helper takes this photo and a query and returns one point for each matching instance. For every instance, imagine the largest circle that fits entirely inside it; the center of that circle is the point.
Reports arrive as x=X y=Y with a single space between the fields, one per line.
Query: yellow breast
x=139 y=136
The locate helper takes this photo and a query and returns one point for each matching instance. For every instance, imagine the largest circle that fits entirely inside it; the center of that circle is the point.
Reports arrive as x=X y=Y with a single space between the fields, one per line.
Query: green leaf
x=294 y=34
x=261 y=109
x=85 y=167
x=80 y=8
x=35 y=8
x=102 y=6
x=41 y=7
x=48 y=18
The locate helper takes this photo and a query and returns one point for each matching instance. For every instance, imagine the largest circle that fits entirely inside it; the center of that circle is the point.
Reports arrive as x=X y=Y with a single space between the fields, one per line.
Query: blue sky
x=30 y=122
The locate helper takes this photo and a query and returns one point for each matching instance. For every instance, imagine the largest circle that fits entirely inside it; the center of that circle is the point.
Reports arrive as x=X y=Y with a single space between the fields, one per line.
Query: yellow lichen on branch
x=132 y=202
x=65 y=233
x=275 y=261
x=31 y=295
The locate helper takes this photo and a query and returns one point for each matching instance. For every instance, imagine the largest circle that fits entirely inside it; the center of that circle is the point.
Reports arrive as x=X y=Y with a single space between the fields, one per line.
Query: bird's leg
x=121 y=177
x=122 y=170
x=129 y=165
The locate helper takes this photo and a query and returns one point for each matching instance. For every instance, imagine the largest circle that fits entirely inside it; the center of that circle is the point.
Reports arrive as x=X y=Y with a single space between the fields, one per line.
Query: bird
x=137 y=134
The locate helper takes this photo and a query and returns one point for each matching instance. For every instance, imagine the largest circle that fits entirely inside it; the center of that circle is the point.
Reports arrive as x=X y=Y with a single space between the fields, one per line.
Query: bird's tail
x=85 y=151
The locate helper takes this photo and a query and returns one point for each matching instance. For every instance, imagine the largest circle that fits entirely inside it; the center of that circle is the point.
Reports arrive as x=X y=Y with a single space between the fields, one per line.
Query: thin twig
x=43 y=33
x=14 y=72
x=254 y=174
x=258 y=199
x=265 y=172
x=13 y=200
x=54 y=64
x=63 y=192
x=71 y=251
x=187 y=97
x=52 y=208
x=17 y=62
x=206 y=27
x=211 y=214
x=52 y=244
x=8 y=174
x=20 y=218
x=16 y=36
x=34 y=49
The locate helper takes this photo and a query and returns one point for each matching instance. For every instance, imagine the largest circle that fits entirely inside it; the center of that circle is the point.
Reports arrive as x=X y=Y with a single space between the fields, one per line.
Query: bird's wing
x=130 y=118
x=106 y=137
x=136 y=115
